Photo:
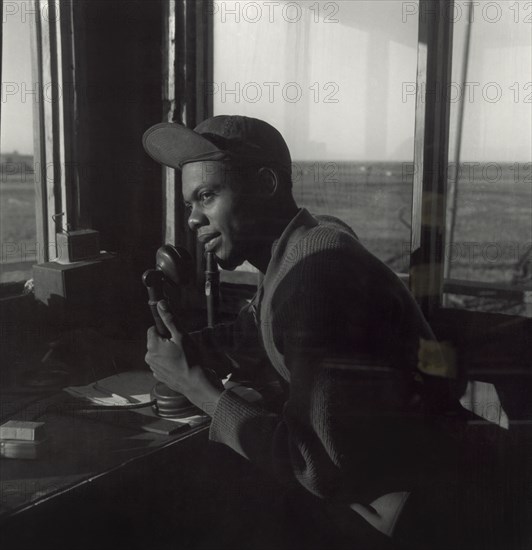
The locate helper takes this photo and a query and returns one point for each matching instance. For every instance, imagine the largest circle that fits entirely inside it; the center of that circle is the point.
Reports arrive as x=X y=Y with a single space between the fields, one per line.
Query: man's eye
x=206 y=197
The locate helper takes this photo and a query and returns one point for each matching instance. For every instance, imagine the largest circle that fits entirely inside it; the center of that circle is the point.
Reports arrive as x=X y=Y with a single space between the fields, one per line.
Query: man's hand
x=169 y=364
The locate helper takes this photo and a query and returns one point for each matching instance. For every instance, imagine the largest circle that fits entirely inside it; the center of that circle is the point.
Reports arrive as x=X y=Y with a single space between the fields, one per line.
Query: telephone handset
x=174 y=266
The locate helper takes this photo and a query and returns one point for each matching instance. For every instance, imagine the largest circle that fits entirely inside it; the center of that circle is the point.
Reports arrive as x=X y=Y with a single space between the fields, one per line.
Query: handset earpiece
x=176 y=263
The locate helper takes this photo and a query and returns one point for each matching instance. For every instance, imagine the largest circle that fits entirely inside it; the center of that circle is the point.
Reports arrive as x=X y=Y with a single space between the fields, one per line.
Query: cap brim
x=174 y=145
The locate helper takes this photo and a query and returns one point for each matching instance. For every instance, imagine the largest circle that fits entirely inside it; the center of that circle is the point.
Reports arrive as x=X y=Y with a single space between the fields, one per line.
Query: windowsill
x=488 y=298
x=15 y=271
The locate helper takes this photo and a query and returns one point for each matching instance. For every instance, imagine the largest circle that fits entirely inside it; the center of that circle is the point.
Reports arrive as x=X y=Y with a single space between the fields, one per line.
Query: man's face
x=218 y=211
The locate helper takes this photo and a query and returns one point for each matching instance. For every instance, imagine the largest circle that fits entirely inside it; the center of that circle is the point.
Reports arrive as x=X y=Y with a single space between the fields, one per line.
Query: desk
x=87 y=460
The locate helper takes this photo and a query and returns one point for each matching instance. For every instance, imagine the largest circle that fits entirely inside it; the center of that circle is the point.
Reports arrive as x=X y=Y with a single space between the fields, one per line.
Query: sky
x=17 y=107
x=369 y=51
x=337 y=81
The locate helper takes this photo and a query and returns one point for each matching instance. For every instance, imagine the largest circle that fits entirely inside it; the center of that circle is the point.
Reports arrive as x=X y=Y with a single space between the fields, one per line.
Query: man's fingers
x=168 y=319
x=150 y=338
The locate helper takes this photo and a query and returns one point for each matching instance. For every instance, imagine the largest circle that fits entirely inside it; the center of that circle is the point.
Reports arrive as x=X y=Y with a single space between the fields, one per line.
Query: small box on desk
x=22 y=430
x=75 y=246
x=22 y=439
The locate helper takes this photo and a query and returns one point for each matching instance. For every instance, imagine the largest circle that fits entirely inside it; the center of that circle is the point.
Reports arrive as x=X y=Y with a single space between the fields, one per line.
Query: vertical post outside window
x=431 y=152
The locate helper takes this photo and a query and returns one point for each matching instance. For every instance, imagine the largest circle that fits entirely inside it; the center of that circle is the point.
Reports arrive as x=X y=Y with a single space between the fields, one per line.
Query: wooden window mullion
x=54 y=151
x=431 y=152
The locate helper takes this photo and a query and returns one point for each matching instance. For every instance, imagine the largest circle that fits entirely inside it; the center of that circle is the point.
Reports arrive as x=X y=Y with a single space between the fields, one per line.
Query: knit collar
x=297 y=227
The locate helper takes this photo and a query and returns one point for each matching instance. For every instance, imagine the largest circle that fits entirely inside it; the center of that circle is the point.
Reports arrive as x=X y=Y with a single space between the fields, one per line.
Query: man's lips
x=209 y=240
x=204 y=238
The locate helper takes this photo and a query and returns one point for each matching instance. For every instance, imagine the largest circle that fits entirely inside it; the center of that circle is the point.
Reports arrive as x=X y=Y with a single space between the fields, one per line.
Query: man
x=359 y=424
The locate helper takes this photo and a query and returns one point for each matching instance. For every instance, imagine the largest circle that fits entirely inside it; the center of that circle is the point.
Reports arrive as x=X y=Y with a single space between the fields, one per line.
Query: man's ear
x=268 y=182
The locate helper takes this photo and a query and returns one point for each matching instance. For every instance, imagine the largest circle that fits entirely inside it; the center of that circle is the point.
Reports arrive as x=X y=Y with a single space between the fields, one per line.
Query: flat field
x=492 y=227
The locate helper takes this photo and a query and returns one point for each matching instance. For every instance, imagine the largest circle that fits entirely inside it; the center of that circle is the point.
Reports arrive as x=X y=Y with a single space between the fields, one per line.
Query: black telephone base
x=171 y=404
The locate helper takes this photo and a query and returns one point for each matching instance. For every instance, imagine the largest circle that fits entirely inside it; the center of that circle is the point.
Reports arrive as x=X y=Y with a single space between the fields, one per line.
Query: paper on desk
x=129 y=388
x=126 y=388
x=134 y=387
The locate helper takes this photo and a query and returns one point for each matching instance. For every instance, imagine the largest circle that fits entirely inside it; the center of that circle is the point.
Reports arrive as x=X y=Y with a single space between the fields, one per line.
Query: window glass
x=17 y=191
x=337 y=80
x=489 y=208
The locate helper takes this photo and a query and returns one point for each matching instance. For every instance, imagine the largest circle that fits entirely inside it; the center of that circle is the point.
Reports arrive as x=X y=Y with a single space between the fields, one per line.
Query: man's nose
x=197 y=219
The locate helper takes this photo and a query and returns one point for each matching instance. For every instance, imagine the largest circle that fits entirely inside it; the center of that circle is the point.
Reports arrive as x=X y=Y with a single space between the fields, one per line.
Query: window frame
x=426 y=278
x=431 y=152
x=430 y=194
x=58 y=200
x=187 y=65
x=59 y=203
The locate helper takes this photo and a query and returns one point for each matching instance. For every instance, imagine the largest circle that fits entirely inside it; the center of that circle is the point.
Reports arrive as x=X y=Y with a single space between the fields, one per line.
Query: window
x=365 y=94
x=330 y=77
x=17 y=189
x=40 y=185
x=488 y=251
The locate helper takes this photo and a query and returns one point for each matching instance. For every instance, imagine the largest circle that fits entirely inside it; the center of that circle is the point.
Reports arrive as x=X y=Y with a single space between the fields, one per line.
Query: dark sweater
x=342 y=331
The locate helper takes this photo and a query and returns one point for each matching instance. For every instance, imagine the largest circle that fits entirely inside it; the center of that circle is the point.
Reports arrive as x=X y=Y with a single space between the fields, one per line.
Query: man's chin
x=229 y=264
